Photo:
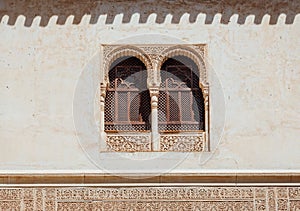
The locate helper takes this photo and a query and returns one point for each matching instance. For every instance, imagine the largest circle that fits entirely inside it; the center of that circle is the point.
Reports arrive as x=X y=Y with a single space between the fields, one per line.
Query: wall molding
x=104 y=178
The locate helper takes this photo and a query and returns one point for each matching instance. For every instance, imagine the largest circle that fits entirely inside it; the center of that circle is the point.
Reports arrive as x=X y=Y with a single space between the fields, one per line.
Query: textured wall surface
x=50 y=69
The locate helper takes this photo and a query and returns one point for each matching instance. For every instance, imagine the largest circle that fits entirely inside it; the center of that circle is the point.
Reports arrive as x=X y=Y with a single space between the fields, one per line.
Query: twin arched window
x=128 y=102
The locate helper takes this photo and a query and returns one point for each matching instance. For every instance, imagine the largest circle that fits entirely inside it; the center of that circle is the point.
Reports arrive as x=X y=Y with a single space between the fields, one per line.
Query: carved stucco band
x=150 y=198
x=153 y=56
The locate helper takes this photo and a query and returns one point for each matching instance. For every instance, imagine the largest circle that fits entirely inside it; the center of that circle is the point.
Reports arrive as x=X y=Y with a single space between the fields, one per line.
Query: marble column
x=154 y=92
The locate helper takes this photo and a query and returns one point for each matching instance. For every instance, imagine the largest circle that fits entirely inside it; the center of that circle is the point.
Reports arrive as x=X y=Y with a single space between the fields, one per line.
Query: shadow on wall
x=162 y=8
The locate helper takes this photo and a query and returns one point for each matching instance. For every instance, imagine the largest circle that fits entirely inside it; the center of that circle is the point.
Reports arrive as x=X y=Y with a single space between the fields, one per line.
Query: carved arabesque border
x=153 y=56
x=150 y=198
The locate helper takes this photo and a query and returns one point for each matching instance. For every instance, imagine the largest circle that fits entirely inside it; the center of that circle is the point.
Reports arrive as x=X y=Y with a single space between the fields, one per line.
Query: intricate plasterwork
x=182 y=143
x=150 y=198
x=153 y=56
x=128 y=143
x=194 y=52
x=113 y=52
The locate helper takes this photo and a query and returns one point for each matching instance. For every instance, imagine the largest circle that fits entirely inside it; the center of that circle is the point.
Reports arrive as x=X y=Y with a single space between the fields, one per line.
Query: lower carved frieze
x=128 y=143
x=170 y=205
x=182 y=143
x=142 y=143
x=150 y=198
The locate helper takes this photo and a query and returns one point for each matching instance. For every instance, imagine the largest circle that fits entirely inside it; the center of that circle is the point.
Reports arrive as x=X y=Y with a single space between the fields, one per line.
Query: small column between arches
x=155 y=137
x=102 y=143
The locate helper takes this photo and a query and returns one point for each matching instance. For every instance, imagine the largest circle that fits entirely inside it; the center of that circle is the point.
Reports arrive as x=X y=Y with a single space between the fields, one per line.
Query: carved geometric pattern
x=150 y=198
x=271 y=199
x=128 y=143
x=295 y=205
x=182 y=143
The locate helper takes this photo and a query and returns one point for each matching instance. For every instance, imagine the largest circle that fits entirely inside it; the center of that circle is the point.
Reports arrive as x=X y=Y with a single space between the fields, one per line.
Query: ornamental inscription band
x=150 y=198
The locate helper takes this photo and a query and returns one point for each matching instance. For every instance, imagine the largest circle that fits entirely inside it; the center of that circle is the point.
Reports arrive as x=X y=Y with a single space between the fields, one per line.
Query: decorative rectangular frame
x=153 y=56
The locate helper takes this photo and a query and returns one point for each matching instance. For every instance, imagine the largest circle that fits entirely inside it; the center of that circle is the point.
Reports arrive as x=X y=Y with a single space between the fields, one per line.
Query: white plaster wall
x=255 y=94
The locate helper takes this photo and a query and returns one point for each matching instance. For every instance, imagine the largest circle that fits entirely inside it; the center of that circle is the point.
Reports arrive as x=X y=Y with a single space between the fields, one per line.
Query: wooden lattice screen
x=180 y=103
x=127 y=102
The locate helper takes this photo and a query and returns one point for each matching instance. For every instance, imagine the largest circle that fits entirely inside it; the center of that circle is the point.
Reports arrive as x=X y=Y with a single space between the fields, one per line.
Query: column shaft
x=154 y=119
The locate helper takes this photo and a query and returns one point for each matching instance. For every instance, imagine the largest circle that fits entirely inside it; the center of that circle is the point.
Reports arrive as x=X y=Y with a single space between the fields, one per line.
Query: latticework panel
x=180 y=104
x=116 y=127
x=171 y=127
x=127 y=103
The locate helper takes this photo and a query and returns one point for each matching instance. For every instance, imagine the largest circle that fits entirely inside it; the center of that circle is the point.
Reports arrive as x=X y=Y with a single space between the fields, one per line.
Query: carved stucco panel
x=182 y=143
x=128 y=143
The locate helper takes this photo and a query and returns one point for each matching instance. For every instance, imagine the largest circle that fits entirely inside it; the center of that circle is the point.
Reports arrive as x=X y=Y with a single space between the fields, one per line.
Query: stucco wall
x=50 y=70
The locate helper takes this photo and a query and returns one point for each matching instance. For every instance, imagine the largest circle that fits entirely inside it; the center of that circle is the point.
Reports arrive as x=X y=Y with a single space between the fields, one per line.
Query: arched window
x=180 y=102
x=127 y=102
x=154 y=98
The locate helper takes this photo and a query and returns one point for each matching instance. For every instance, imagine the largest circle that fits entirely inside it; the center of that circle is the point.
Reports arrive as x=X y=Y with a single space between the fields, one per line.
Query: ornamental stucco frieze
x=151 y=198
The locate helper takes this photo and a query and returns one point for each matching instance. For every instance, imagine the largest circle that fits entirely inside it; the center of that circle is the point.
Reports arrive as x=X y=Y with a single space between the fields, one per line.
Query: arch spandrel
x=112 y=53
x=191 y=52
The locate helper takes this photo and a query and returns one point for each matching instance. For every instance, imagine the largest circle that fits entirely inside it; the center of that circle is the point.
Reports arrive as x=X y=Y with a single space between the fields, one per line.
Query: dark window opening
x=180 y=103
x=127 y=102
